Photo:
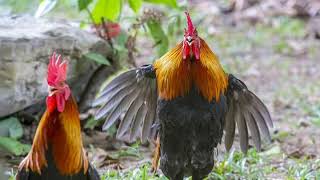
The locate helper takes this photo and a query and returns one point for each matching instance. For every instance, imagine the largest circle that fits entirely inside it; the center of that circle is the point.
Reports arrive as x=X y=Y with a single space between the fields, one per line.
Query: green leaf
x=13 y=146
x=108 y=9
x=170 y=3
x=135 y=5
x=120 y=41
x=91 y=123
x=97 y=58
x=83 y=4
x=173 y=25
x=159 y=37
x=44 y=7
x=11 y=127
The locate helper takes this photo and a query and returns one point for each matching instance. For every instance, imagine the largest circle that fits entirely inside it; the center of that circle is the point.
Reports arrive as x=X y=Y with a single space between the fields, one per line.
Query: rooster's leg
x=156 y=156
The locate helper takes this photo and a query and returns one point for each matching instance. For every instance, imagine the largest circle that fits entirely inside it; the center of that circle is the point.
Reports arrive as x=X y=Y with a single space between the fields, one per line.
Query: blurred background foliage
x=127 y=13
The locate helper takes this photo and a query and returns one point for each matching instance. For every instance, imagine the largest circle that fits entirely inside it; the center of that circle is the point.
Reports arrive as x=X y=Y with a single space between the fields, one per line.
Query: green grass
x=141 y=173
x=133 y=151
x=304 y=169
x=236 y=165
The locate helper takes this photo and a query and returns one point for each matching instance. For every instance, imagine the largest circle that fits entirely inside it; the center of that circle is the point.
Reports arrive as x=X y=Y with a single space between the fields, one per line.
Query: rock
x=314 y=27
x=25 y=46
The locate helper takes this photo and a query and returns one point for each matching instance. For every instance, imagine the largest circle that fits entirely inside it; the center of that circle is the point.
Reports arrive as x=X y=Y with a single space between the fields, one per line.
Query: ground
x=277 y=58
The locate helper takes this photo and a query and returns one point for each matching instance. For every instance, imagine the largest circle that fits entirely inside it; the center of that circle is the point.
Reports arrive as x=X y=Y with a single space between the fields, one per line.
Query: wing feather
x=262 y=109
x=139 y=118
x=242 y=128
x=132 y=94
x=118 y=81
x=118 y=110
x=261 y=122
x=106 y=95
x=248 y=112
x=230 y=127
x=254 y=130
x=114 y=101
x=151 y=114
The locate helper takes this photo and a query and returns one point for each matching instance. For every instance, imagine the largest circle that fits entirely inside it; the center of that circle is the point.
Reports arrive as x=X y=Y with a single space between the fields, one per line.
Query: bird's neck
x=176 y=77
x=66 y=140
x=60 y=135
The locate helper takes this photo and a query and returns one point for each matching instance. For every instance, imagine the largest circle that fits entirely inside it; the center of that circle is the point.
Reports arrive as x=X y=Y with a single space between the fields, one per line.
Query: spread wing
x=131 y=97
x=248 y=113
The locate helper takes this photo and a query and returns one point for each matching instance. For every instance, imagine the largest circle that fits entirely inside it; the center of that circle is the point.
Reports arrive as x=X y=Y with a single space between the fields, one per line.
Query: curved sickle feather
x=134 y=95
x=248 y=113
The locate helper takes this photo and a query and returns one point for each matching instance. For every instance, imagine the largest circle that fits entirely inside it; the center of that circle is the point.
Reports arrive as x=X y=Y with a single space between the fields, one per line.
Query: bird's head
x=191 y=41
x=59 y=91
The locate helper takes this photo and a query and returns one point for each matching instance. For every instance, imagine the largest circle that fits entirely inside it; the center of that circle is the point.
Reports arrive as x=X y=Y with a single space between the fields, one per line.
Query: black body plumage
x=190 y=129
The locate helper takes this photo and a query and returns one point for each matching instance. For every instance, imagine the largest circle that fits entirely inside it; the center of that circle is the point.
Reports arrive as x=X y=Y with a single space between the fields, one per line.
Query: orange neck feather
x=175 y=76
x=61 y=133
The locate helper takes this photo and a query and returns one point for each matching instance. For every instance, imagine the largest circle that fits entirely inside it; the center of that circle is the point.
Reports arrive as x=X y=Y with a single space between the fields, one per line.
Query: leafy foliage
x=135 y=5
x=133 y=150
x=137 y=173
x=13 y=146
x=83 y=4
x=10 y=131
x=11 y=127
x=170 y=3
x=159 y=37
x=108 y=9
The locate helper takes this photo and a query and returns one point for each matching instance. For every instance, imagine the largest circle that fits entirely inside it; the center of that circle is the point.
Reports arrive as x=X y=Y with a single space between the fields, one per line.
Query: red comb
x=189 y=22
x=57 y=70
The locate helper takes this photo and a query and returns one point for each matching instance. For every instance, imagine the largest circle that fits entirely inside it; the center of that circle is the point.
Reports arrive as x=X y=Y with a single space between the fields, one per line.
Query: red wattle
x=196 y=49
x=51 y=103
x=60 y=102
x=186 y=50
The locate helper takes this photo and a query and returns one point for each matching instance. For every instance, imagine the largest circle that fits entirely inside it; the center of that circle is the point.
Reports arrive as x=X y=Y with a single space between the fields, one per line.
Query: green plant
x=10 y=131
x=142 y=172
x=237 y=165
x=101 y=12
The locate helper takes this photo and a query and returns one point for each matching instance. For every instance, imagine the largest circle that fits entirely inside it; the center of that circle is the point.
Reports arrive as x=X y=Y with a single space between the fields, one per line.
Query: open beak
x=189 y=40
x=52 y=90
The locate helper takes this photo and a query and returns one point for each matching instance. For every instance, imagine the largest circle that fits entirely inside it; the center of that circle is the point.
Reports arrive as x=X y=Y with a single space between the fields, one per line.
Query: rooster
x=187 y=101
x=57 y=151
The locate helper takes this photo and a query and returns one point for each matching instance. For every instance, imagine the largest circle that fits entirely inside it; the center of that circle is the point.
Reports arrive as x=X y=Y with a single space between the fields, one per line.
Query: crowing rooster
x=187 y=100
x=57 y=152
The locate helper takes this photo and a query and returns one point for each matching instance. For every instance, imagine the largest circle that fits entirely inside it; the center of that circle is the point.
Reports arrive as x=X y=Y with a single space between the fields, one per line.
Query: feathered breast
x=176 y=76
x=59 y=134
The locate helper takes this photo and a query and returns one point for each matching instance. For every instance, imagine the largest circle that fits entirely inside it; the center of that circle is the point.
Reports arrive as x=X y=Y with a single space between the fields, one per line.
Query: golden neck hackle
x=175 y=76
x=59 y=134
